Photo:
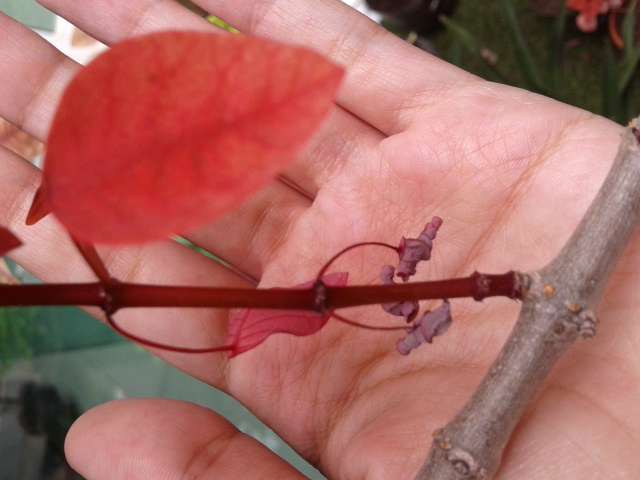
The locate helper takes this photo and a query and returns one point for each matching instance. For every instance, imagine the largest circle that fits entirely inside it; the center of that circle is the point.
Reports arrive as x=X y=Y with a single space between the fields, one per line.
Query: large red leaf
x=165 y=132
x=250 y=327
x=8 y=241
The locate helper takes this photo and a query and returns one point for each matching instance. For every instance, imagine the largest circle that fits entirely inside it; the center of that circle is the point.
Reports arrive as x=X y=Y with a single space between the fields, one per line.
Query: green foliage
x=203 y=13
x=504 y=41
x=628 y=65
x=18 y=333
x=221 y=23
x=530 y=69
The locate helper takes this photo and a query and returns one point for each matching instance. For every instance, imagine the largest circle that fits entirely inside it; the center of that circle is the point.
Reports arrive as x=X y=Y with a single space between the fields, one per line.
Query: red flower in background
x=588 y=11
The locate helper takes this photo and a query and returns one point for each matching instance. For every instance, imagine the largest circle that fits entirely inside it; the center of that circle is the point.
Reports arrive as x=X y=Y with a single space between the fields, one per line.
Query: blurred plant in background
x=16 y=336
x=582 y=52
x=590 y=10
x=540 y=45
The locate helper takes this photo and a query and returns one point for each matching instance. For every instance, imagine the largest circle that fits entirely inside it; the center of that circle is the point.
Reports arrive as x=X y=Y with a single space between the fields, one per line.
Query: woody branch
x=556 y=311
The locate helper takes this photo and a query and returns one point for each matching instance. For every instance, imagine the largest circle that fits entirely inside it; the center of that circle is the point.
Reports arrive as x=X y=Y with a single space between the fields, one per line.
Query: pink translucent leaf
x=165 y=132
x=250 y=327
x=8 y=241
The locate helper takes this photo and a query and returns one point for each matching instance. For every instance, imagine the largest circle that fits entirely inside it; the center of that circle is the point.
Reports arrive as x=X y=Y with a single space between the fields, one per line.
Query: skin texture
x=511 y=173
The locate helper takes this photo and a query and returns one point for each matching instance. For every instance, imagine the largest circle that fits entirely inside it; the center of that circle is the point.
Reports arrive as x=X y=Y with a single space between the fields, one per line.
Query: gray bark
x=557 y=310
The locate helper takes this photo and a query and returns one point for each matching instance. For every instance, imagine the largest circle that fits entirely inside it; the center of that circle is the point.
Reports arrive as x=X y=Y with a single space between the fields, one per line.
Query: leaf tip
x=38 y=210
x=8 y=241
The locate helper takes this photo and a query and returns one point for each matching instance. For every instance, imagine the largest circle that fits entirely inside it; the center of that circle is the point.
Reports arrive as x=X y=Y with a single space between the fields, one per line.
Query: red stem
x=112 y=297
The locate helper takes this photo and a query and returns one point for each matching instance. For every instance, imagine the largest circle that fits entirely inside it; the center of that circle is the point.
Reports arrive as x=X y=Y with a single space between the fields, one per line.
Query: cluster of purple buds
x=431 y=323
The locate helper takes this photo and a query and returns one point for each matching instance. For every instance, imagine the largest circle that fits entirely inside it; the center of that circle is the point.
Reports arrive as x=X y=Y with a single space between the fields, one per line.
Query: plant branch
x=557 y=310
x=113 y=295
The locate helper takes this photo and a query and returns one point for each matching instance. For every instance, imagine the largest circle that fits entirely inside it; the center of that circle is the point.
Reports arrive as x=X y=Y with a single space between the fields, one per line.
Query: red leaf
x=8 y=241
x=38 y=209
x=165 y=132
x=249 y=328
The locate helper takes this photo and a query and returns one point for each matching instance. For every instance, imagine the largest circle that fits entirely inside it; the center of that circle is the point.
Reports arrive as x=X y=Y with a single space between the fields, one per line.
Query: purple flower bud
x=430 y=325
x=413 y=250
x=407 y=344
x=386 y=275
x=408 y=309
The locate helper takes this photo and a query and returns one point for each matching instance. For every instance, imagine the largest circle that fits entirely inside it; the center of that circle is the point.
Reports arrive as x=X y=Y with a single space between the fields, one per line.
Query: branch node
x=573 y=306
x=320 y=299
x=444 y=443
x=584 y=318
x=464 y=463
x=548 y=290
x=483 y=284
x=106 y=298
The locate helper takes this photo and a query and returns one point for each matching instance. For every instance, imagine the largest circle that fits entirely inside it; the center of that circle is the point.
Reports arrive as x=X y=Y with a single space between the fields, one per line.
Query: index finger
x=385 y=75
x=385 y=97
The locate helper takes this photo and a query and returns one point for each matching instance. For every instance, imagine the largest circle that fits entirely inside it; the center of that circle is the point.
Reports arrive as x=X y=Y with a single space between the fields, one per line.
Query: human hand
x=510 y=172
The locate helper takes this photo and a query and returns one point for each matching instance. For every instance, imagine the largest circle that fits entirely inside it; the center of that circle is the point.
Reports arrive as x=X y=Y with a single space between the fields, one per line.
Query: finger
x=169 y=439
x=109 y=24
x=249 y=237
x=33 y=75
x=386 y=98
x=342 y=140
x=257 y=233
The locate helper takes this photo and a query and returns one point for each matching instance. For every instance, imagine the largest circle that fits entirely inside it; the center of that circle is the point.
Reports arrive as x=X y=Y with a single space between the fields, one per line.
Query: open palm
x=511 y=174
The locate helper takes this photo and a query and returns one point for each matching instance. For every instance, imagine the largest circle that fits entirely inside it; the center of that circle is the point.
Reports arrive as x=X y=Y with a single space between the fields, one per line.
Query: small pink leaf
x=249 y=328
x=165 y=132
x=8 y=241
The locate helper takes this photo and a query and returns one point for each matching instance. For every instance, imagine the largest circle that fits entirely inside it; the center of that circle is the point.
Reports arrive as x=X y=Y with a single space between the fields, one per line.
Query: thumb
x=167 y=439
